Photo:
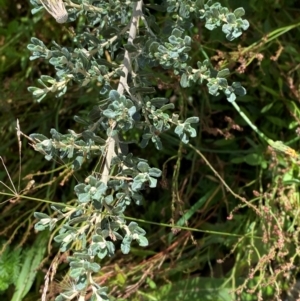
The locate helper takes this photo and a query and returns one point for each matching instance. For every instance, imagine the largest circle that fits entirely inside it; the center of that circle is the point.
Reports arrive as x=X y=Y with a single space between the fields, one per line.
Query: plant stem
x=123 y=85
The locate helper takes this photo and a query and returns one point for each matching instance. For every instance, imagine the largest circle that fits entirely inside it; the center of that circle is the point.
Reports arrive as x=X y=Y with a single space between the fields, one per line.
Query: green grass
x=224 y=219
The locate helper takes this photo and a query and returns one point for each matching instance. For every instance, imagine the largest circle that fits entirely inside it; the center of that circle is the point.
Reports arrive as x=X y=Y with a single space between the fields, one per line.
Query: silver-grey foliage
x=128 y=29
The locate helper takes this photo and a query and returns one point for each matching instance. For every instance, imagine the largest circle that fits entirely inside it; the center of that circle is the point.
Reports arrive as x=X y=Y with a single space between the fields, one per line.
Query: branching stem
x=123 y=85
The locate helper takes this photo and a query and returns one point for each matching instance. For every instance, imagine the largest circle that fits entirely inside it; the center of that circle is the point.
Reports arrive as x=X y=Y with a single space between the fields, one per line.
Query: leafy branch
x=124 y=29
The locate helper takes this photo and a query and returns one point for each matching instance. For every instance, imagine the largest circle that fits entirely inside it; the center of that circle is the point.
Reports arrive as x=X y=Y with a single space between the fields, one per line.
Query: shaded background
x=253 y=254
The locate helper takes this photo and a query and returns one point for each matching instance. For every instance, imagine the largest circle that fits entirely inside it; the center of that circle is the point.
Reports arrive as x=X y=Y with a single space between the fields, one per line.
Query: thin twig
x=20 y=152
x=222 y=181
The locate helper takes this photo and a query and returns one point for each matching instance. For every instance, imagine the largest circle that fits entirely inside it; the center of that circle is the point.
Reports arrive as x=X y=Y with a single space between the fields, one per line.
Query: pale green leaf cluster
x=95 y=224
